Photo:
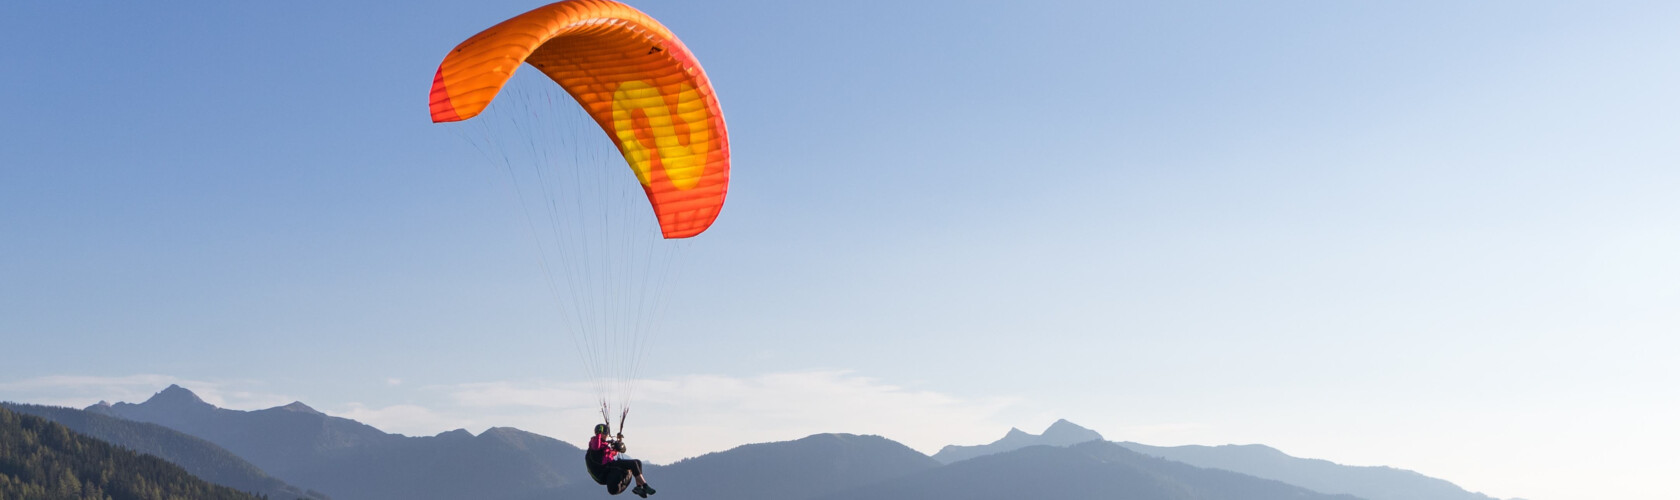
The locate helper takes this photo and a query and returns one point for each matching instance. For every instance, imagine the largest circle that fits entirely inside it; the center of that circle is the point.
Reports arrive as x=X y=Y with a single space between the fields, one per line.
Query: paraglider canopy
x=639 y=83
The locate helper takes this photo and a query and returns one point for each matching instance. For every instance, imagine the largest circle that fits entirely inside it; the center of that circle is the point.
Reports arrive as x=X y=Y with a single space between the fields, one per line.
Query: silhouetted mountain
x=1090 y=470
x=40 y=459
x=275 y=439
x=198 y=457
x=1371 y=483
x=353 y=461
x=350 y=460
x=1061 y=433
x=792 y=470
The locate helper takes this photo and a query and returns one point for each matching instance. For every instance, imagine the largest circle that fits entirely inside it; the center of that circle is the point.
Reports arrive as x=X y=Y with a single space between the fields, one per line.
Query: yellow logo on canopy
x=682 y=139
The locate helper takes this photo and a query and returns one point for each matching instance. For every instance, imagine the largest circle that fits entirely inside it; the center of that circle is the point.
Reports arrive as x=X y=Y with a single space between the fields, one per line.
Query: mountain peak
x=299 y=407
x=176 y=396
x=1063 y=433
x=455 y=434
x=507 y=434
x=1017 y=438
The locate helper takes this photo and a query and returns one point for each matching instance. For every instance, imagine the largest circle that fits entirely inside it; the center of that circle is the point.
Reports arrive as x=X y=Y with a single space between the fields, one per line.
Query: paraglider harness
x=616 y=480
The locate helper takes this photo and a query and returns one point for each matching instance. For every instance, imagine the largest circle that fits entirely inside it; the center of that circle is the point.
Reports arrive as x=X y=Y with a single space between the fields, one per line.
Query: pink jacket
x=608 y=454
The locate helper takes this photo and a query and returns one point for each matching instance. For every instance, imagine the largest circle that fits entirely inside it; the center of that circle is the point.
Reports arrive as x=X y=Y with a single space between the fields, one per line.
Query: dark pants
x=619 y=474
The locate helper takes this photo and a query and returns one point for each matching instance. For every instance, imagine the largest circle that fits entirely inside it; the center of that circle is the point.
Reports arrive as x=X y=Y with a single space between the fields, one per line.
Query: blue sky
x=1437 y=235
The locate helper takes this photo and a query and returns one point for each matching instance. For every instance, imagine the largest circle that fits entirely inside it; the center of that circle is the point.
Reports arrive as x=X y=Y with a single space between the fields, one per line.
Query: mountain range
x=1370 y=483
x=1091 y=470
x=1061 y=433
x=348 y=460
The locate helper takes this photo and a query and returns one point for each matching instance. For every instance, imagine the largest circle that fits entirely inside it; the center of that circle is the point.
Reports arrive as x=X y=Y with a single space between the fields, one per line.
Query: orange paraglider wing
x=639 y=83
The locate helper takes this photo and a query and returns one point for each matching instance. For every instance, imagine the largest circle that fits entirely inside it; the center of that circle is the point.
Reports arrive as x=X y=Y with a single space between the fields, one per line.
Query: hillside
x=40 y=459
x=804 y=468
x=198 y=457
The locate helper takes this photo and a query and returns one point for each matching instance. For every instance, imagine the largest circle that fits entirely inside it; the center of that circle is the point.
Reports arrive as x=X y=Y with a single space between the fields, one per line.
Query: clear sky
x=1438 y=235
